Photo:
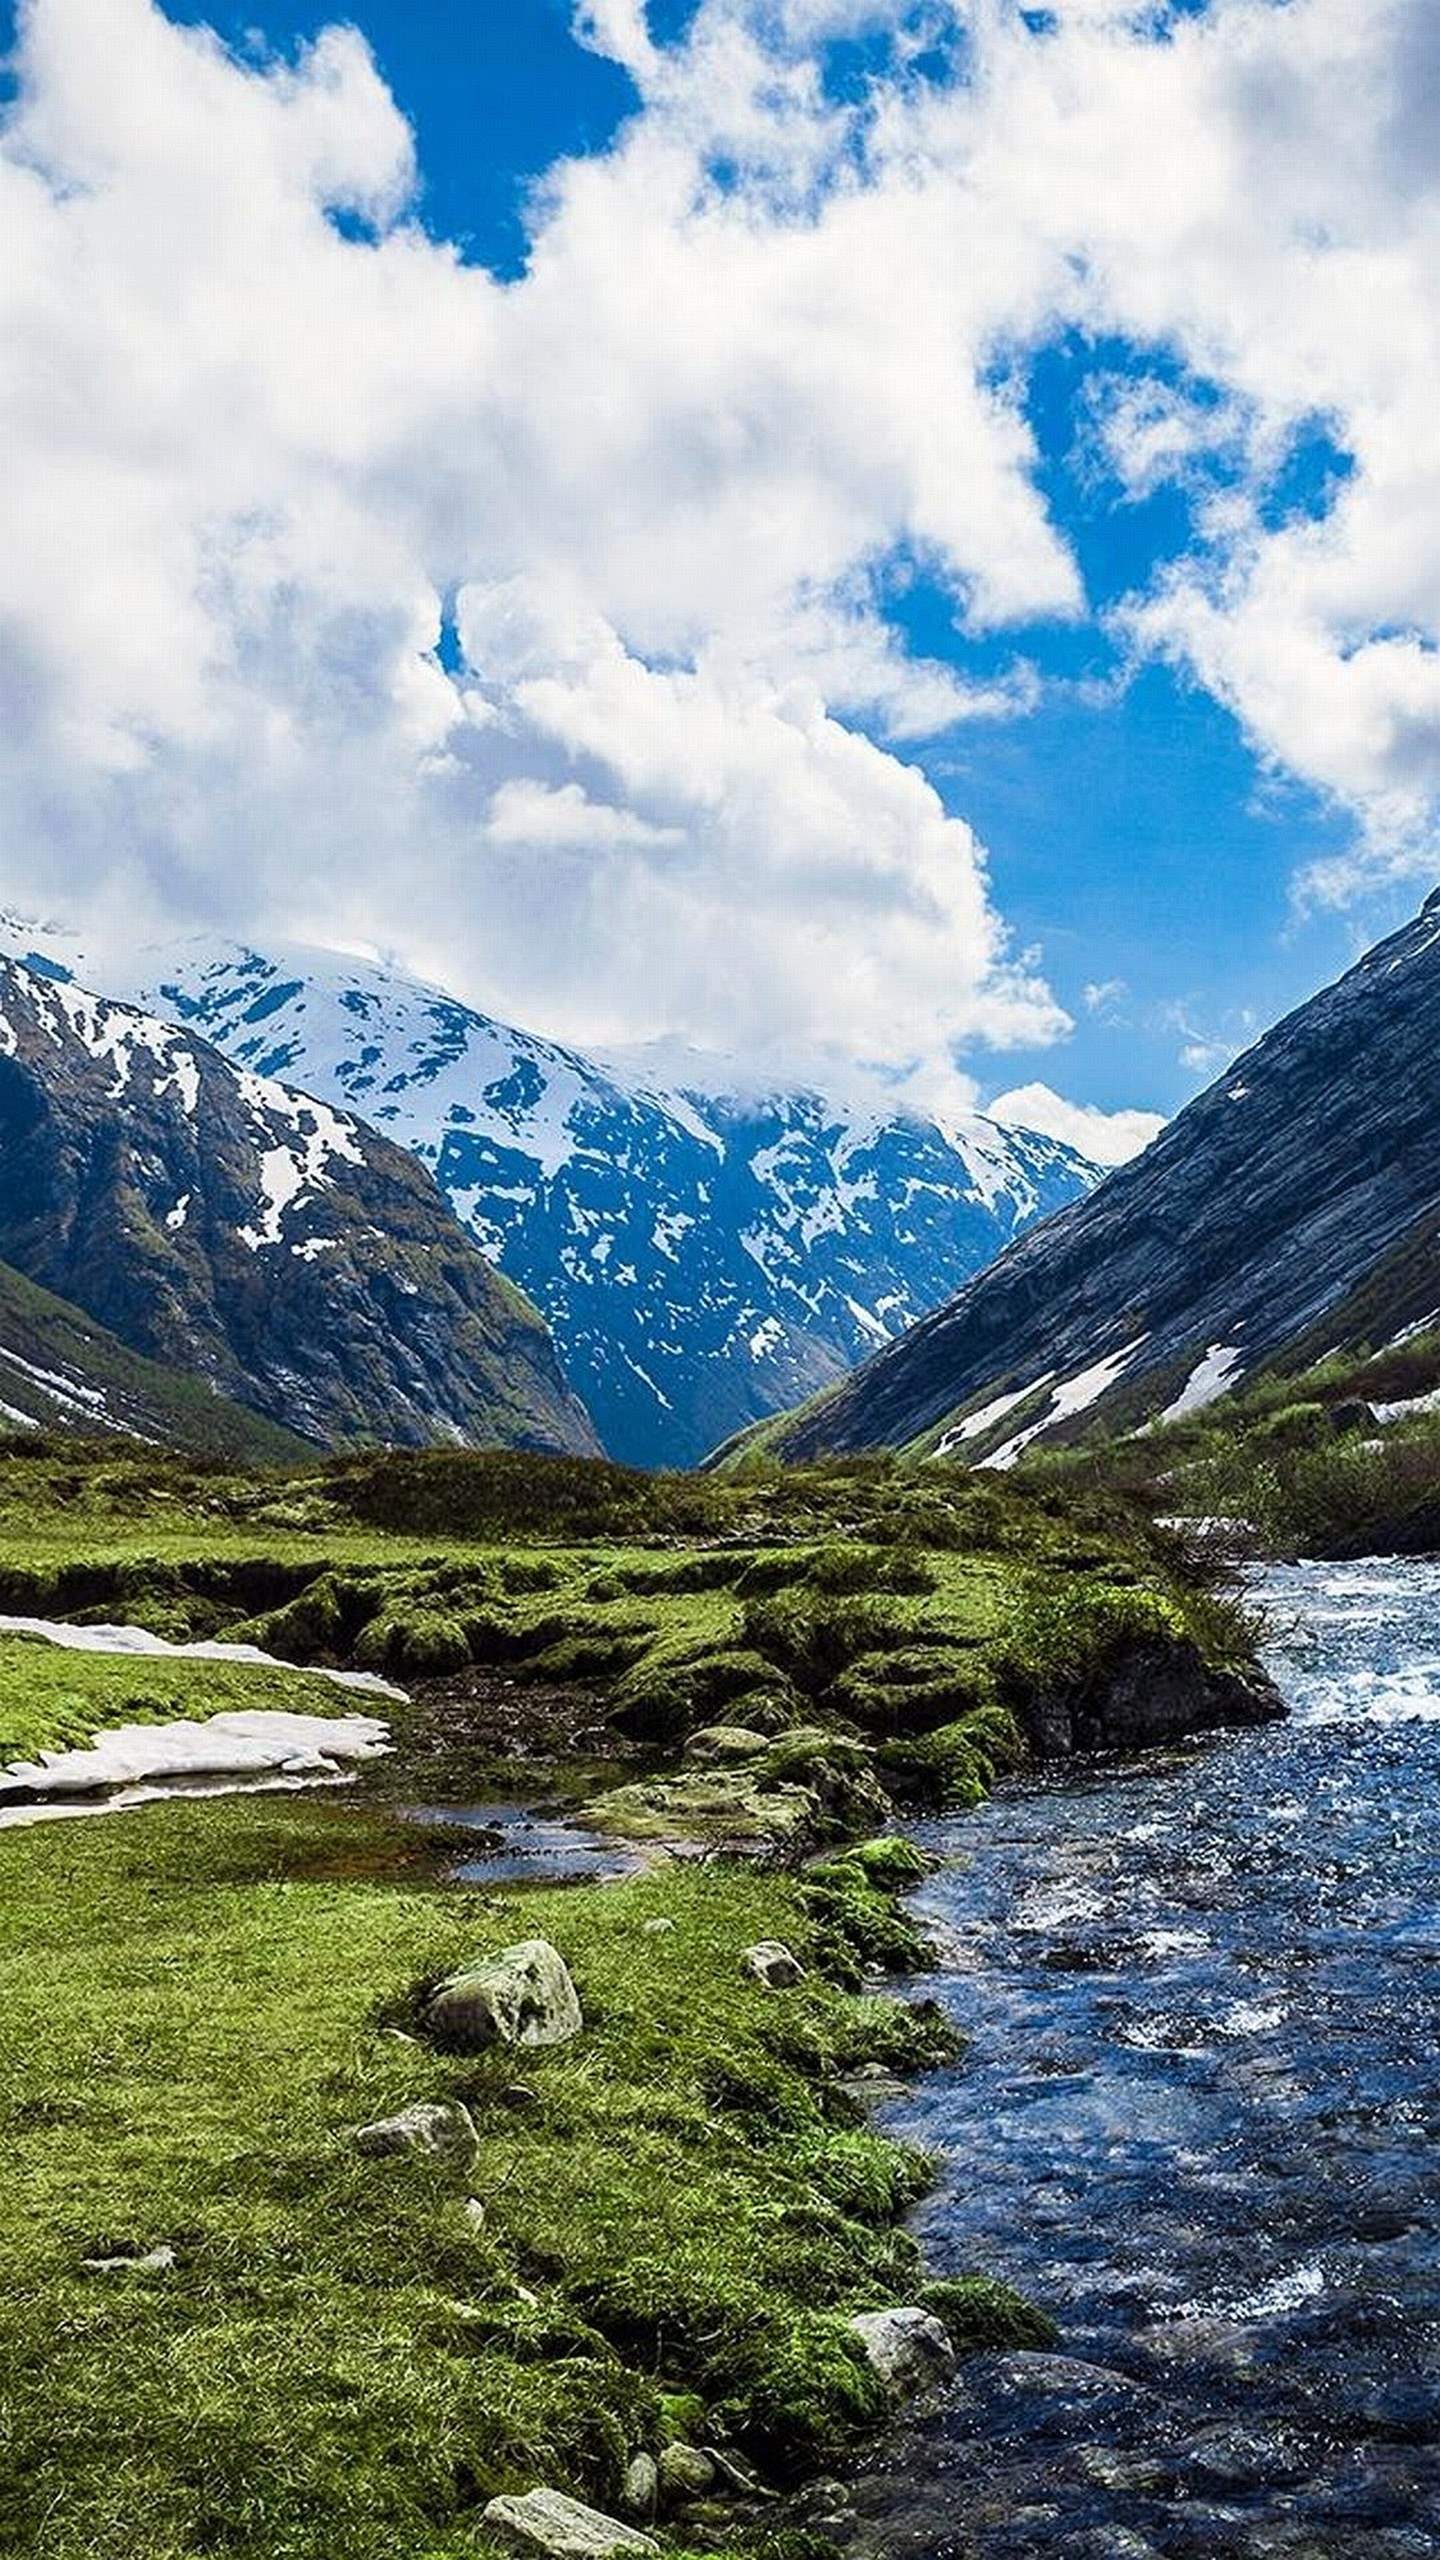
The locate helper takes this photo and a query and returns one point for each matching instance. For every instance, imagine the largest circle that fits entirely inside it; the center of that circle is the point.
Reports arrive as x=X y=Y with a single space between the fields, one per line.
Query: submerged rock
x=523 y=1996
x=774 y=1964
x=906 y=2348
x=443 y=2130
x=545 y=2521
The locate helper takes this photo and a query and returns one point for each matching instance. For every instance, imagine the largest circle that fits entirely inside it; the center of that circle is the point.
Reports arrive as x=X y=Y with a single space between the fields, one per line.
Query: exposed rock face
x=560 y=2528
x=706 y=1257
x=523 y=1996
x=1291 y=1209
x=906 y=2348
x=278 y=1249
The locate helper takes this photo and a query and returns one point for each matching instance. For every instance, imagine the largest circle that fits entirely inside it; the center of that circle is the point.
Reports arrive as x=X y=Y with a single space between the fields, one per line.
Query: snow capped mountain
x=260 y=1239
x=705 y=1257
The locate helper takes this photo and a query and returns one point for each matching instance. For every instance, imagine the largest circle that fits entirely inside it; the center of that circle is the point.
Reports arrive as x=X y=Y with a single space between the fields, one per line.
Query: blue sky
x=1151 y=829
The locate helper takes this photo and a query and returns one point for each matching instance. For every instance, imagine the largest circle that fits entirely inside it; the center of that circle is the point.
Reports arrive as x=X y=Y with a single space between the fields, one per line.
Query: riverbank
x=229 y=2328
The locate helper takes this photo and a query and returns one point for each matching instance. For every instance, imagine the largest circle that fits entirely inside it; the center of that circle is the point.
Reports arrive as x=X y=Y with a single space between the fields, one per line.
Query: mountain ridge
x=1291 y=1204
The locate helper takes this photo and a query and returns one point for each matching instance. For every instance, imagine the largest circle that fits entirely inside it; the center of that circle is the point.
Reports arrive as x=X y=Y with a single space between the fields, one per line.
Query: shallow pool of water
x=1198 y=2121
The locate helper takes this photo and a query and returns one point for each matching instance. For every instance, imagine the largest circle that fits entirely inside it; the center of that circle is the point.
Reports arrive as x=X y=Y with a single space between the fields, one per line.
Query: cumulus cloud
x=263 y=437
x=1106 y=1137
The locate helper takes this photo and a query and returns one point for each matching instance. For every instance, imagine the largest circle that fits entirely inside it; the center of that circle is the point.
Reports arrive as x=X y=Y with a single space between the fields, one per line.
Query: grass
x=682 y=2207
x=192 y=2012
x=1300 y=1456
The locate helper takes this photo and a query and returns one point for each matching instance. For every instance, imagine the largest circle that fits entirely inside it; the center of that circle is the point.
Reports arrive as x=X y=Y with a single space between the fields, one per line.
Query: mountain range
x=1290 y=1211
x=236 y=1232
x=705 y=1254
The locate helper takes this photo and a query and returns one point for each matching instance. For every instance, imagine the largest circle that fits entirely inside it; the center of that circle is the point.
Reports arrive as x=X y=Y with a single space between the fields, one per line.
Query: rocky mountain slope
x=704 y=1257
x=61 y=1372
x=1292 y=1209
x=216 y=1221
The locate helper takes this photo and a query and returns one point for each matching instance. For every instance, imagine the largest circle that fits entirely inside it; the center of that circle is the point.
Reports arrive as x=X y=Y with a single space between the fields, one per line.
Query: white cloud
x=1106 y=1137
x=766 y=346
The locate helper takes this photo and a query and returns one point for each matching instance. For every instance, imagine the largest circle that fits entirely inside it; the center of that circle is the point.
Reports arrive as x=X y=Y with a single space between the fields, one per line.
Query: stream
x=1197 y=2121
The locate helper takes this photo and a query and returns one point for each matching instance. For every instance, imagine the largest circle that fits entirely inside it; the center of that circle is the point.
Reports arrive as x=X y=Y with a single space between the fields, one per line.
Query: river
x=1197 y=2120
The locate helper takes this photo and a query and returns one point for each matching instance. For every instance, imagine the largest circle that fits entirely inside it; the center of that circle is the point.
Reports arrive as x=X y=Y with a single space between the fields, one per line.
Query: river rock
x=523 y=1996
x=685 y=2472
x=774 y=1964
x=561 y=2528
x=721 y=1742
x=442 y=2130
x=906 y=2347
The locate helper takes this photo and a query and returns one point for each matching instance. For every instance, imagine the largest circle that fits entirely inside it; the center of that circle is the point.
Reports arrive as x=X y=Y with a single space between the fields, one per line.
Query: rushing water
x=1198 y=2121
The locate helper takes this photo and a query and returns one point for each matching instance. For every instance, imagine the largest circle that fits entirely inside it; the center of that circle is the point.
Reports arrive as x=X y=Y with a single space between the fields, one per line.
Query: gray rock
x=474 y=2212
x=734 y=2472
x=773 y=1963
x=906 y=2347
x=147 y=2262
x=442 y=2130
x=522 y=1996
x=559 y=2527
x=657 y=1928
x=641 y=2487
x=685 y=2472
x=721 y=1742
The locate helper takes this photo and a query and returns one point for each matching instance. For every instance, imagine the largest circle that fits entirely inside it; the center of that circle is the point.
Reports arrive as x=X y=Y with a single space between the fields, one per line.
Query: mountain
x=705 y=1257
x=60 y=1372
x=226 y=1226
x=1292 y=1210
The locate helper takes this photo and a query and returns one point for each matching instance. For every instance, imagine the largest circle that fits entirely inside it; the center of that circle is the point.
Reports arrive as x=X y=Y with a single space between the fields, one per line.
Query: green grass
x=54 y=1700
x=192 y=2012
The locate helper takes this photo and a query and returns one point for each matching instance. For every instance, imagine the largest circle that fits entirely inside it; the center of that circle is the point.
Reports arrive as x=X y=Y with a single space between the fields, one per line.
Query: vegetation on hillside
x=1339 y=1459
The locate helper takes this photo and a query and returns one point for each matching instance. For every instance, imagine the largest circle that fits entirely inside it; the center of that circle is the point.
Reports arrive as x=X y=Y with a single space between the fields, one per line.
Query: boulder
x=440 y=2131
x=906 y=2348
x=726 y=1742
x=773 y=1963
x=685 y=2472
x=523 y=1996
x=561 y=2528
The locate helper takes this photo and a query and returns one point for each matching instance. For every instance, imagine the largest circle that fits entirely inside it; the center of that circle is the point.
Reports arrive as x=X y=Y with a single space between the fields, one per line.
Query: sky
x=876 y=536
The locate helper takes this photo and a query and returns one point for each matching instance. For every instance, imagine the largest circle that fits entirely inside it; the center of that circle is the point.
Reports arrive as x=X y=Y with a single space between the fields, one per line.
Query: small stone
x=560 y=2528
x=519 y=2095
x=657 y=1928
x=147 y=2262
x=773 y=1963
x=522 y=1996
x=685 y=2472
x=440 y=2131
x=641 y=2486
x=474 y=2212
x=906 y=2347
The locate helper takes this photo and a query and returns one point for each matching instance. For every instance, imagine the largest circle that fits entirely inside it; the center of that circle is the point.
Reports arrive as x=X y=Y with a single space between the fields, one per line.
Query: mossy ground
x=194 y=1999
x=193 y=2009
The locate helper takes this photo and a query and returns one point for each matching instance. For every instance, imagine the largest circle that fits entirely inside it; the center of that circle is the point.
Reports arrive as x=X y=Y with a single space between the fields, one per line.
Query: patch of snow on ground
x=1208 y=1379
x=988 y=1414
x=242 y=1742
x=1401 y=1410
x=1072 y=1396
